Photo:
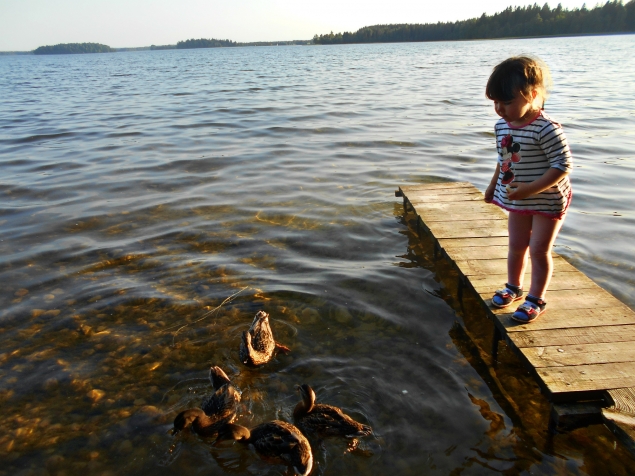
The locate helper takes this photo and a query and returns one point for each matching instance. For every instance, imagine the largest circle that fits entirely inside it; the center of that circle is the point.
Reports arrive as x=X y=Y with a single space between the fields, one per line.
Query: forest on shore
x=73 y=48
x=204 y=43
x=533 y=20
x=212 y=43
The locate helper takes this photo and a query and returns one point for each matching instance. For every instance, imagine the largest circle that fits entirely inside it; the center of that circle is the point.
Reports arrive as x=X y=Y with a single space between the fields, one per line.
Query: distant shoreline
x=310 y=43
x=178 y=46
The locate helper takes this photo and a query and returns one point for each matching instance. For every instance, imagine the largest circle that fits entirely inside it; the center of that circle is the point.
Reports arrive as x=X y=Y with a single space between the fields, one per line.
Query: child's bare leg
x=544 y=233
x=519 y=227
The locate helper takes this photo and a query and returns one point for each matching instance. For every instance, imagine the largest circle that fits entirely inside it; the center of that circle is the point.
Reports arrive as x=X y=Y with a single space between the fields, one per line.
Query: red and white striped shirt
x=525 y=153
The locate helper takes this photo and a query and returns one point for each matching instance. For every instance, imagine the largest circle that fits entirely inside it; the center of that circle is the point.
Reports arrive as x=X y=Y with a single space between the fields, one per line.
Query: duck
x=217 y=410
x=257 y=344
x=274 y=440
x=202 y=424
x=226 y=398
x=325 y=420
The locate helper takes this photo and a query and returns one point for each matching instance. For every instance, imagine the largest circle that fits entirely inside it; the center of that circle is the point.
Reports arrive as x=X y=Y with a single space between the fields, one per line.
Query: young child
x=531 y=179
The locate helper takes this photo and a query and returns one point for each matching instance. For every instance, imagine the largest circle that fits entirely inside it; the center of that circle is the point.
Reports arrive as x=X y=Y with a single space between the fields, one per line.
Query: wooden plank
x=478 y=252
x=623 y=400
x=423 y=197
x=564 y=318
x=436 y=186
x=462 y=229
x=487 y=285
x=573 y=336
x=445 y=216
x=583 y=354
x=480 y=268
x=458 y=243
x=472 y=205
x=581 y=378
x=441 y=191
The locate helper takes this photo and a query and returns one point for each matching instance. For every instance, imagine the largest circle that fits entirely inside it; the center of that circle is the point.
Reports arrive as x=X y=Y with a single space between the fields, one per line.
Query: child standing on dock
x=531 y=179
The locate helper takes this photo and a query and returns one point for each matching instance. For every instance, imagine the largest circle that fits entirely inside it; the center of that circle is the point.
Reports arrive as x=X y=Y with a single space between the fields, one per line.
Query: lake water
x=141 y=190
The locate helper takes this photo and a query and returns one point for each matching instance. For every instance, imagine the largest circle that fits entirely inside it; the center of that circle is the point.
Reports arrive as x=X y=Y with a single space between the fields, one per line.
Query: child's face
x=517 y=111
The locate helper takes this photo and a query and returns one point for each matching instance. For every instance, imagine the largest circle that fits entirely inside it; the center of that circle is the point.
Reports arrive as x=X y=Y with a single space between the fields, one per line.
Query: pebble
x=343 y=316
x=21 y=292
x=95 y=395
x=310 y=315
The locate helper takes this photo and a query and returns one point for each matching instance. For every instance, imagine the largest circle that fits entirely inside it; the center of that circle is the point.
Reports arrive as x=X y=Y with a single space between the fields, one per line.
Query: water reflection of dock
x=581 y=351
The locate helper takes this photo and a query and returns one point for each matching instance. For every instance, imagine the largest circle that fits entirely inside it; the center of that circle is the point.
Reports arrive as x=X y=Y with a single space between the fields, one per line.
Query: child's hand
x=489 y=194
x=517 y=191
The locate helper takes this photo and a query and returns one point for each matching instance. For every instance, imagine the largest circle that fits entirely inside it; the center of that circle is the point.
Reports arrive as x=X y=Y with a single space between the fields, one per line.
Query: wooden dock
x=581 y=351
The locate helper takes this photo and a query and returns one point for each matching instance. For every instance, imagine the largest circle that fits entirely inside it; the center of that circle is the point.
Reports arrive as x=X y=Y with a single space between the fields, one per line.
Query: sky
x=27 y=24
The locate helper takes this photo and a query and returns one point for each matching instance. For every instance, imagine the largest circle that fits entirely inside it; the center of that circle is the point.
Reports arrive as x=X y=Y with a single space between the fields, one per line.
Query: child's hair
x=518 y=74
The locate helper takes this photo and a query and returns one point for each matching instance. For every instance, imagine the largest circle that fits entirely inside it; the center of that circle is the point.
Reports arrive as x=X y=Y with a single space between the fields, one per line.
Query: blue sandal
x=529 y=310
x=504 y=297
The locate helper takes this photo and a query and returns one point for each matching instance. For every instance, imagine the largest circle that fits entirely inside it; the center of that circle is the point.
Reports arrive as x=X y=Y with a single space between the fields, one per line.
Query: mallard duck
x=201 y=423
x=217 y=410
x=275 y=439
x=257 y=344
x=225 y=400
x=325 y=420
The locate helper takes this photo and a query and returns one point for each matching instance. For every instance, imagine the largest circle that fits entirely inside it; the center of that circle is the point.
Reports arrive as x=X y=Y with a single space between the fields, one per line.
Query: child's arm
x=489 y=192
x=554 y=145
x=524 y=190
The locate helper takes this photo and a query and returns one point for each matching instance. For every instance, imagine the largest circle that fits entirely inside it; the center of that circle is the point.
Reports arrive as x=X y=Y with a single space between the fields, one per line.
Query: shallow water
x=143 y=190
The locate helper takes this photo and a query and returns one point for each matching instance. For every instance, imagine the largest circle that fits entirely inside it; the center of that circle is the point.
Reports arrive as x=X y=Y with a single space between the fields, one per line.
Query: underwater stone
x=310 y=315
x=95 y=395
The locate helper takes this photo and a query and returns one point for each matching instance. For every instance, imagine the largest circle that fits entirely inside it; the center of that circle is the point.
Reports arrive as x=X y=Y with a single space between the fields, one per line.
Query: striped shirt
x=524 y=155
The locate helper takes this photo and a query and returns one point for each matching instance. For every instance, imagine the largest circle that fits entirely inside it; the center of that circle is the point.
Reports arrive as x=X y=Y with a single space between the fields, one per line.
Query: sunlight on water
x=142 y=190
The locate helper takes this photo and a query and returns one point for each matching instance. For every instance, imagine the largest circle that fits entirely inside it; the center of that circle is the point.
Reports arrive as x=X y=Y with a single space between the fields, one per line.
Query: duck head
x=186 y=418
x=218 y=377
x=260 y=319
x=308 y=399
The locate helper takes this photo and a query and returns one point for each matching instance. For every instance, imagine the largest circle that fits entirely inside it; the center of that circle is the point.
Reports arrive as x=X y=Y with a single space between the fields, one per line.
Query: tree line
x=204 y=43
x=532 y=20
x=73 y=48
x=212 y=43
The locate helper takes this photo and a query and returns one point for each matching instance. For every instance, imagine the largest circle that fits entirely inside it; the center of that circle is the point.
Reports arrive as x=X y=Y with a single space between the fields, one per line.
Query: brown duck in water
x=257 y=344
x=217 y=410
x=277 y=440
x=325 y=420
x=226 y=398
x=201 y=423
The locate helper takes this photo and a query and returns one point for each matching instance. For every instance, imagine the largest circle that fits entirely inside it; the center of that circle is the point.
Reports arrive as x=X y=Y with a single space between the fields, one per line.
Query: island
x=513 y=22
x=73 y=49
x=204 y=43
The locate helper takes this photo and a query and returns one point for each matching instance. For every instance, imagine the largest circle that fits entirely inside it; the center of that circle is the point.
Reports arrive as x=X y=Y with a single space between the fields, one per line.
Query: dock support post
x=569 y=416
